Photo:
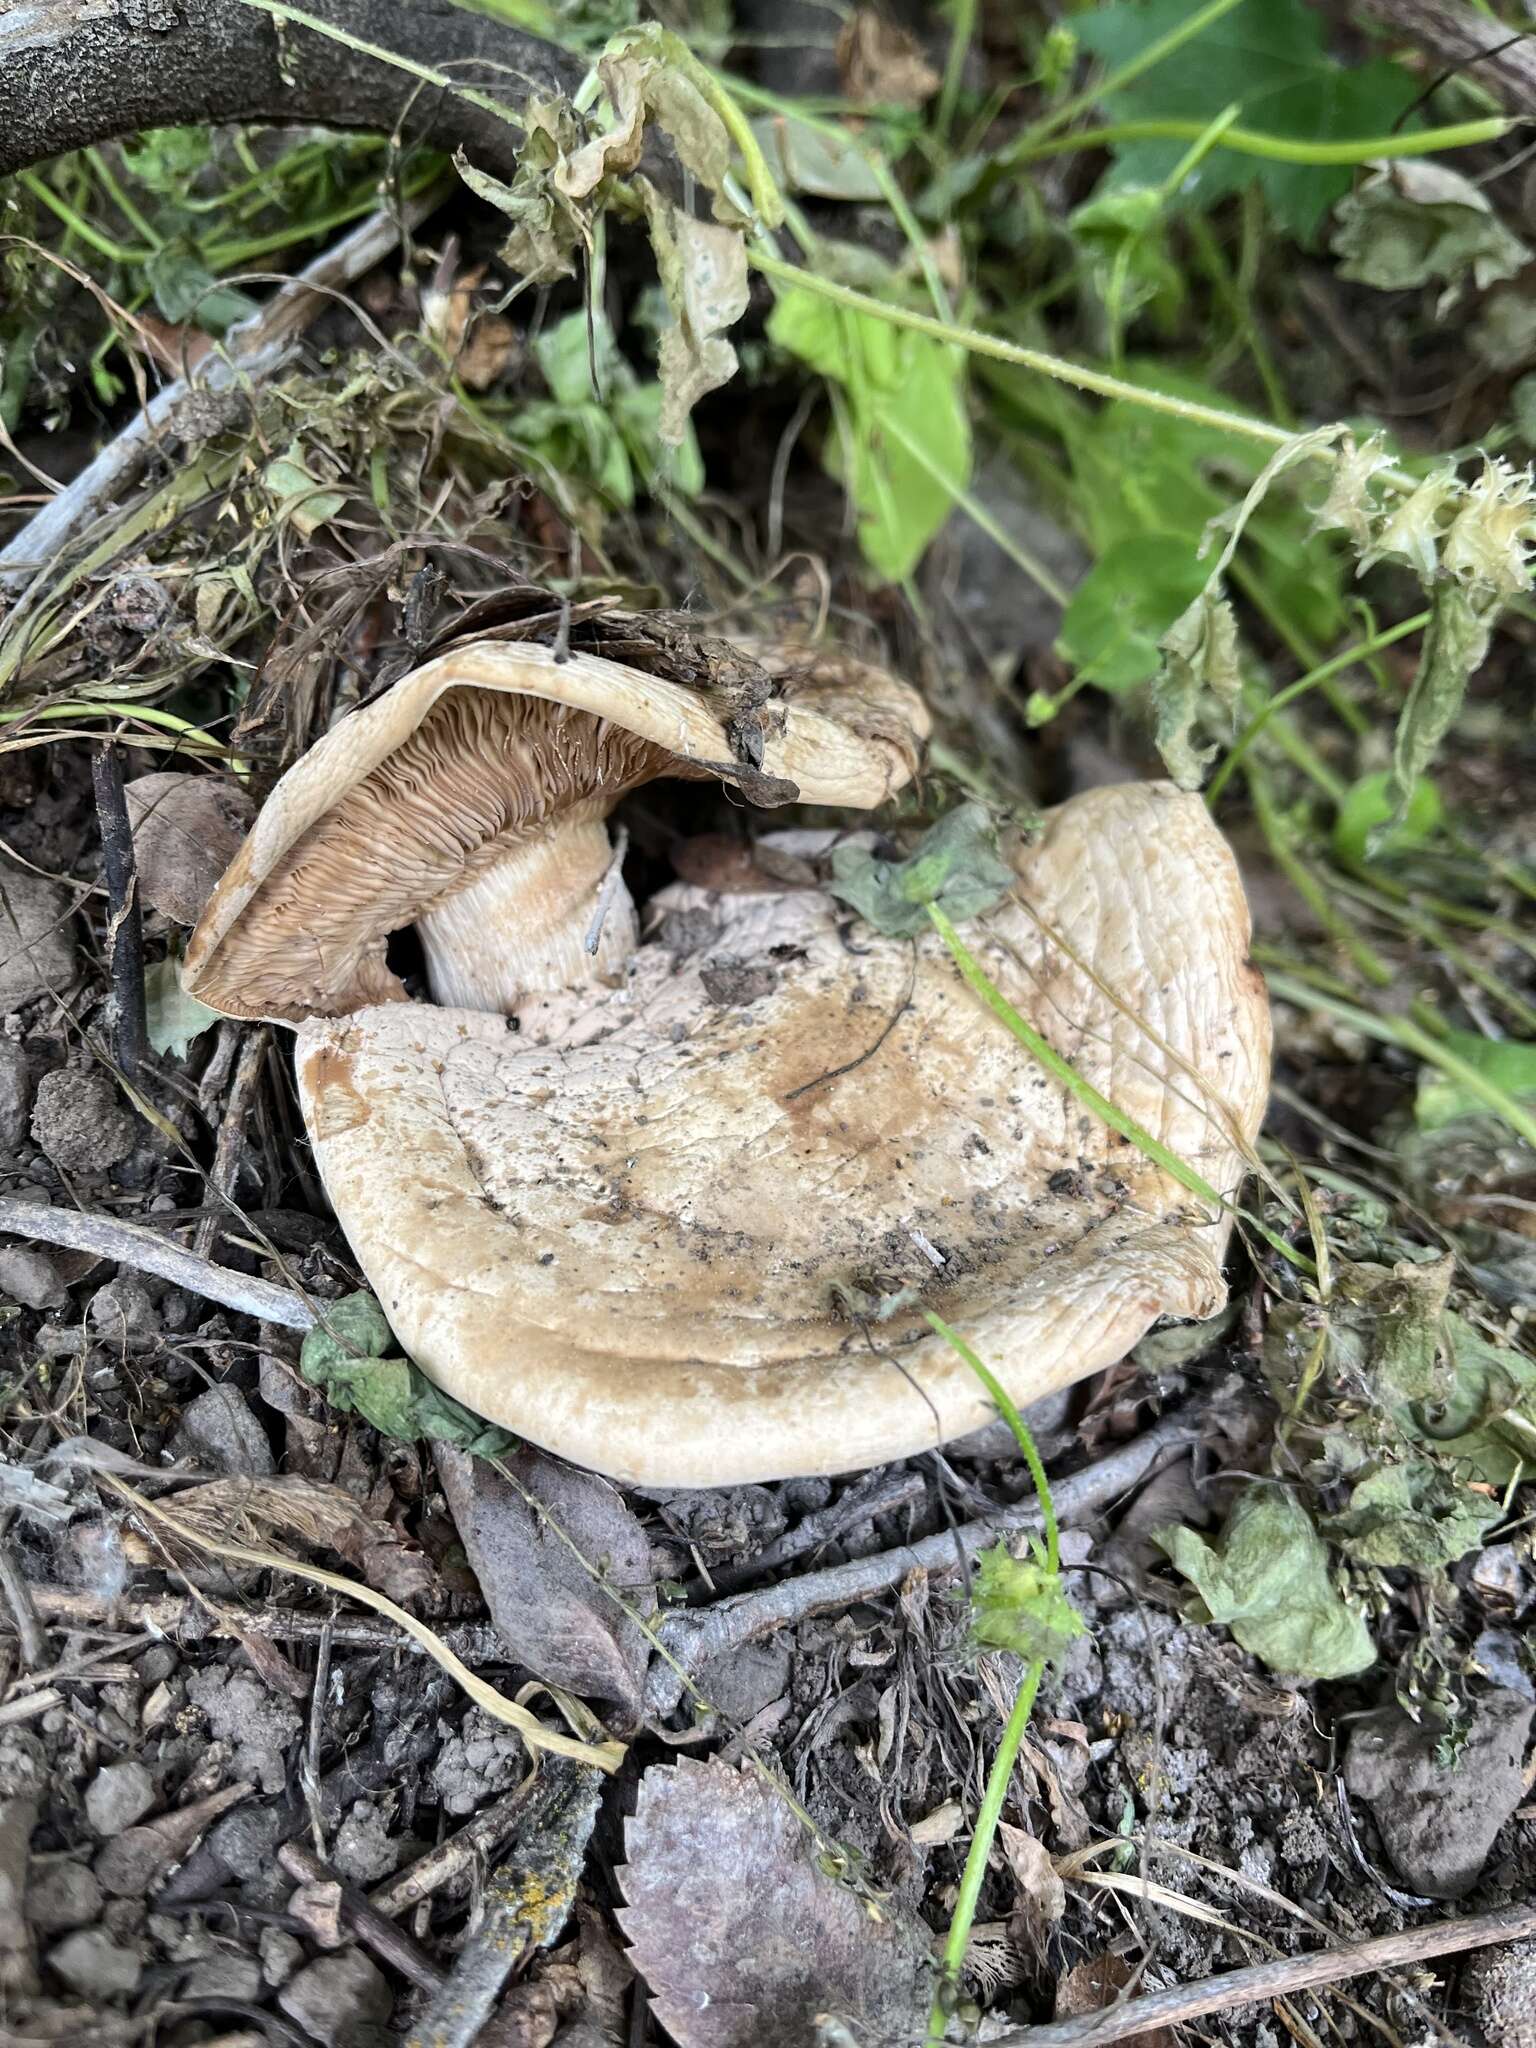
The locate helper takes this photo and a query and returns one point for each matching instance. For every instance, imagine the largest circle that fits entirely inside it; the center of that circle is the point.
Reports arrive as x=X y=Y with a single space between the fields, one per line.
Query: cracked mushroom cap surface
x=439 y=803
x=627 y=1224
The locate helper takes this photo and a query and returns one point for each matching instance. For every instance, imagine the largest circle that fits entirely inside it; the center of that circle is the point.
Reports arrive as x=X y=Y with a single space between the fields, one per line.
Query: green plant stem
x=1281 y=149
x=1306 y=884
x=1028 y=1448
x=1113 y=81
x=1083 y=1091
x=1228 y=289
x=988 y=1814
x=954 y=63
x=976 y=342
x=1411 y=1037
x=89 y=233
x=120 y=199
x=1359 y=650
x=1285 y=628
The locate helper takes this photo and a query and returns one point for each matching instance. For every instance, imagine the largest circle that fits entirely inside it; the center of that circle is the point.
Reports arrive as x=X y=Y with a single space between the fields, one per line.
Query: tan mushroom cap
x=405 y=811
x=625 y=1231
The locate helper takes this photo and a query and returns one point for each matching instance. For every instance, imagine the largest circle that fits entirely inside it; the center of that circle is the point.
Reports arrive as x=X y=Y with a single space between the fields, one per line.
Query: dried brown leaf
x=741 y=1938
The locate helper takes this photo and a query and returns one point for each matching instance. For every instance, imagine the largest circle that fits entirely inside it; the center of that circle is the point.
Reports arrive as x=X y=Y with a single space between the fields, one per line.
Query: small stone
x=224 y=1976
x=1501 y=1987
x=117 y=1796
x=92 y=1965
x=1438 y=1818
x=281 y=1954
x=186 y=831
x=123 y=1313
x=37 y=947
x=258 y=1724
x=339 y=2000
x=364 y=1850
x=63 y=1895
x=29 y=1277
x=219 y=1432
x=80 y=1121
x=15 y=1095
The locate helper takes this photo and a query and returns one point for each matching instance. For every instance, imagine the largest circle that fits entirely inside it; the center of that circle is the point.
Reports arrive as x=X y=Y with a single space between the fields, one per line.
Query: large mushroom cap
x=630 y=1230
x=412 y=809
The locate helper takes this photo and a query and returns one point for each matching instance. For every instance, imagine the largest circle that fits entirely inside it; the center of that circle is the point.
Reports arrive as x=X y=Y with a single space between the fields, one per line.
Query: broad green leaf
x=186 y=289
x=301 y=498
x=1417 y=1516
x=1509 y=1062
x=1112 y=630
x=816 y=162
x=1415 y=221
x=901 y=391
x=349 y=1362
x=166 y=160
x=1267 y=1579
x=173 y=1019
x=1381 y=1334
x=955 y=864
x=1366 y=807
x=1268 y=57
x=1019 y=1604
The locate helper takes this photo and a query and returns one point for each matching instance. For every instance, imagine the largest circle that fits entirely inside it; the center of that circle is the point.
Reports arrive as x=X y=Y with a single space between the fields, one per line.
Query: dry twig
x=389 y=1942
x=1185 y=2002
x=125 y=920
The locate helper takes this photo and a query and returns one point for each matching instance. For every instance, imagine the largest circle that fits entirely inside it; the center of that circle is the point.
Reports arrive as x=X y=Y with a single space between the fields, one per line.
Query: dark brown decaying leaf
x=740 y=1937
x=1096 y=1983
x=551 y=1611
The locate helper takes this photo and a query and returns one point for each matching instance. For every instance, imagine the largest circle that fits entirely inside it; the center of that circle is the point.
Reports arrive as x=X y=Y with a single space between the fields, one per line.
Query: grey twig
x=125 y=922
x=608 y=888
x=526 y=1902
x=479 y=1838
x=693 y=1638
x=130 y=1244
x=1185 y=2002
x=231 y=1139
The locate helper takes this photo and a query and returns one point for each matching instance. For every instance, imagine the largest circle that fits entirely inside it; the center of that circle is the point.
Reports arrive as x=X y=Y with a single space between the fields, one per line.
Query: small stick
x=125 y=924
x=863 y=1502
x=167 y=1614
x=231 y=1139
x=527 y=1903
x=1185 y=2002
x=476 y=1840
x=608 y=889
x=130 y=1244
x=694 y=1637
x=387 y=1941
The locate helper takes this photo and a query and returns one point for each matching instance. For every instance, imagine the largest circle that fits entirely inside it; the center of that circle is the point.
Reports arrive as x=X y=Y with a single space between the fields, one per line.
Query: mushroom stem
x=521 y=925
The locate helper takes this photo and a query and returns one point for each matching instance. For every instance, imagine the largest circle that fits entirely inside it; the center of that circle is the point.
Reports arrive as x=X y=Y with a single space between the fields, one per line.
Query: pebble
x=30 y=1277
x=224 y=1976
x=122 y=1312
x=63 y=1895
x=339 y=2000
x=91 y=1964
x=15 y=1095
x=80 y=1121
x=117 y=1796
x=37 y=947
x=219 y=1433
x=1438 y=1820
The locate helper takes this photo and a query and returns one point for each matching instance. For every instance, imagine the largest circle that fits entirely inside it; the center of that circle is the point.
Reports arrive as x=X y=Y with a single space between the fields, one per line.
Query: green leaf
x=1269 y=58
x=348 y=1360
x=1415 y=220
x=1487 y=1422
x=1509 y=1062
x=1267 y=1579
x=1415 y=1516
x=812 y=159
x=1455 y=646
x=300 y=497
x=1366 y=808
x=173 y=1018
x=1112 y=629
x=1018 y=1604
x=166 y=160
x=186 y=289
x=897 y=388
x=1199 y=659
x=955 y=864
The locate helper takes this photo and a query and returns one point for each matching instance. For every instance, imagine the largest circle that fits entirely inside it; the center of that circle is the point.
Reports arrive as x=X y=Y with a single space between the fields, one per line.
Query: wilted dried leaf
x=550 y=1610
x=1033 y=1871
x=703 y=270
x=882 y=64
x=322 y=1516
x=186 y=831
x=1096 y=1983
x=741 y=1938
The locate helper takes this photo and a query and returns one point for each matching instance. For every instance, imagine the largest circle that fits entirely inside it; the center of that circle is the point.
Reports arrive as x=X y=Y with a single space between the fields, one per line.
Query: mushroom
x=676 y=1215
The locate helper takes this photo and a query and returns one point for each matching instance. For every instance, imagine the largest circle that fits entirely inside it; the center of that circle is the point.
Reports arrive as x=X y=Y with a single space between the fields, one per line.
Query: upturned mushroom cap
x=630 y=1231
x=475 y=789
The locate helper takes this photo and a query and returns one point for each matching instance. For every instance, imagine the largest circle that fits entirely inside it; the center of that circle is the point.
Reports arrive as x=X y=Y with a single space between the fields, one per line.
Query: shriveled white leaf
x=703 y=270
x=173 y=1018
x=1033 y=1871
